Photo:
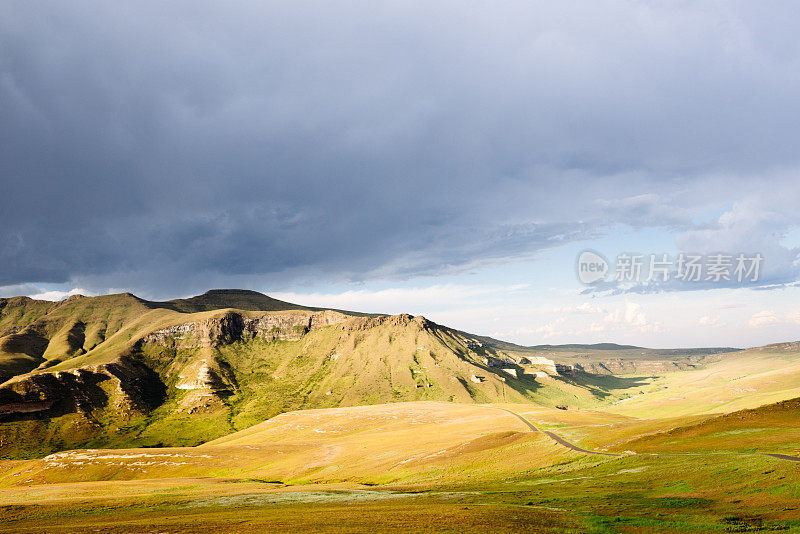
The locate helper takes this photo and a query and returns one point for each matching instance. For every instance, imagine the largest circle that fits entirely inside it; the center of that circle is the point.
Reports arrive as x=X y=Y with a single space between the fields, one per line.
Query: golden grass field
x=380 y=424
x=404 y=467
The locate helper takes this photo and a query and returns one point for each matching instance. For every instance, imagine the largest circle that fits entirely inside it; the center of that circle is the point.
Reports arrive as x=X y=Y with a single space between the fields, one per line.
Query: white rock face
x=511 y=372
x=230 y=327
x=545 y=363
x=477 y=379
x=203 y=378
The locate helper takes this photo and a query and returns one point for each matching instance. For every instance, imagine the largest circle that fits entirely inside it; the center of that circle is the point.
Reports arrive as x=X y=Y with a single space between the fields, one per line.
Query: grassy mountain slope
x=578 y=352
x=768 y=428
x=119 y=371
x=737 y=381
x=47 y=333
x=323 y=418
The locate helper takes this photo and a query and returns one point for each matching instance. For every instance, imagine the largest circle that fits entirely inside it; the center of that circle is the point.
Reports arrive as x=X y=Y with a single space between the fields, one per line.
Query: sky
x=449 y=159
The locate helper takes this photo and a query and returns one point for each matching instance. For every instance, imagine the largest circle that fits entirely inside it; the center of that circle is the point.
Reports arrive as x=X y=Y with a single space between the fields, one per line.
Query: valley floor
x=426 y=466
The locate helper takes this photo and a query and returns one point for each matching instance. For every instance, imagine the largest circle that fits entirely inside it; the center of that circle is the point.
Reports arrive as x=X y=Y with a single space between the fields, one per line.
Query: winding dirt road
x=561 y=441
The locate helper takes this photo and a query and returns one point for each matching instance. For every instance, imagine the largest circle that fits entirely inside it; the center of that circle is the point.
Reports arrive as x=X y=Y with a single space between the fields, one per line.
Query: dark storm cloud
x=164 y=146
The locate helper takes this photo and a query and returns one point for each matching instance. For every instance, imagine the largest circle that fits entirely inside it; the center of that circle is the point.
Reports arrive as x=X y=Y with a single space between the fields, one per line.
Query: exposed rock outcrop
x=627 y=367
x=624 y=367
x=285 y=326
x=498 y=361
x=200 y=376
x=565 y=369
x=232 y=327
x=543 y=363
x=366 y=323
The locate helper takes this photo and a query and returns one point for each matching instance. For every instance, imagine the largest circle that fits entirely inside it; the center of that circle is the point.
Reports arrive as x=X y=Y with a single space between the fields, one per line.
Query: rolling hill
x=120 y=371
x=404 y=467
x=238 y=412
x=768 y=428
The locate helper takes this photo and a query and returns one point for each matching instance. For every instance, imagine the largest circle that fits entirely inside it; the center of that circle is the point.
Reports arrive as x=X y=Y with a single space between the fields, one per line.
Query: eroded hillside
x=117 y=370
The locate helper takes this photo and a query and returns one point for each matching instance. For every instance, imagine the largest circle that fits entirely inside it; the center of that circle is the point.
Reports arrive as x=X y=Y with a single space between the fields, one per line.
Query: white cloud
x=628 y=317
x=584 y=308
x=756 y=224
x=403 y=299
x=551 y=329
x=764 y=317
x=35 y=292
x=768 y=317
x=17 y=290
x=710 y=321
x=60 y=295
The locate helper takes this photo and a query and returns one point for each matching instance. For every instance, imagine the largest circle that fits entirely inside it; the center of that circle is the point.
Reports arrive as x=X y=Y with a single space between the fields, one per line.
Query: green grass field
x=405 y=467
x=123 y=415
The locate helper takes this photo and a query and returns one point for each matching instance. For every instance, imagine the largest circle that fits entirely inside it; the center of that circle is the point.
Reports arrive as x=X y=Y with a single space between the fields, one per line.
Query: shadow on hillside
x=524 y=386
x=68 y=395
x=602 y=386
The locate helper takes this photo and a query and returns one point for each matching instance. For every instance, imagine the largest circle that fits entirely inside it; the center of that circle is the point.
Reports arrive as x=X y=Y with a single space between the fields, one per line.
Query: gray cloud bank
x=166 y=147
